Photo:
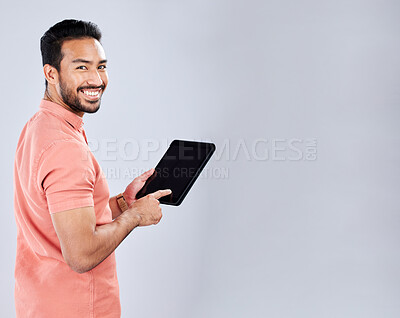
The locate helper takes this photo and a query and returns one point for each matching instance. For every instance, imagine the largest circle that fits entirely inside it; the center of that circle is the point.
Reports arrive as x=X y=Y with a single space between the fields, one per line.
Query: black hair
x=51 y=42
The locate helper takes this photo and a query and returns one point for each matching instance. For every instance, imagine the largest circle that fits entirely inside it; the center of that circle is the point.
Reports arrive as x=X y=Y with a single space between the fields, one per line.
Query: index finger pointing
x=160 y=193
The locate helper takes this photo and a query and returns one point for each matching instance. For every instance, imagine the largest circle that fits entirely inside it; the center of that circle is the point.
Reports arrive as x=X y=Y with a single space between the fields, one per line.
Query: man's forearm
x=105 y=239
x=84 y=244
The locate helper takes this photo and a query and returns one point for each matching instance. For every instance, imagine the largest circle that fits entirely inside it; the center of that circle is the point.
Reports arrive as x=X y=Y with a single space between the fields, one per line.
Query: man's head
x=74 y=65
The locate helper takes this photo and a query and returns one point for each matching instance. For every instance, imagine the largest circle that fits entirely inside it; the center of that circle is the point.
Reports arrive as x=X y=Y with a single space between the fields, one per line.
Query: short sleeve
x=67 y=176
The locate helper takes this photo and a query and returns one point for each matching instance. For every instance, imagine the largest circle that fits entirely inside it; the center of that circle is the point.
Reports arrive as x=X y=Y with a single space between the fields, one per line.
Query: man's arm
x=85 y=245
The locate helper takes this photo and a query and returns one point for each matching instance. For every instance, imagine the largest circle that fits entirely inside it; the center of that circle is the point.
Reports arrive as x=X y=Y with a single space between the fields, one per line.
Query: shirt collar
x=71 y=118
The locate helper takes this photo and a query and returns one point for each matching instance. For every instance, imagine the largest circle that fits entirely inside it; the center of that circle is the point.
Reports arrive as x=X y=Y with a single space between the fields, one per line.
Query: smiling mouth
x=92 y=93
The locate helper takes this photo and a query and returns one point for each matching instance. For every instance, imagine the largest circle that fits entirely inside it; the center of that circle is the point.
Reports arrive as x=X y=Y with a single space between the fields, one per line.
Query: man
x=68 y=226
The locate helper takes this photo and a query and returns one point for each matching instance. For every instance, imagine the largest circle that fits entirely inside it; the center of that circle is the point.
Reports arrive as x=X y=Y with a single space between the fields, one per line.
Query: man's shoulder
x=44 y=124
x=48 y=126
x=44 y=131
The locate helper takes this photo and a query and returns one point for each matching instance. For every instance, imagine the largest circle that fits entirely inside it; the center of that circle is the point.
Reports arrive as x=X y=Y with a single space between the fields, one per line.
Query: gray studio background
x=298 y=215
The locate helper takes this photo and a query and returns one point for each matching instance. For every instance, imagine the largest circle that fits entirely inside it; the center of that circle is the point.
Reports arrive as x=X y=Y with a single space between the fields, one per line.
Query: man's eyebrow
x=81 y=61
x=88 y=62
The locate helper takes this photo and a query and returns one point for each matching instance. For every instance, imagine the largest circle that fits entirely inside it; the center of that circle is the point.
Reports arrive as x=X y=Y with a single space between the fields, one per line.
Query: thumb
x=146 y=174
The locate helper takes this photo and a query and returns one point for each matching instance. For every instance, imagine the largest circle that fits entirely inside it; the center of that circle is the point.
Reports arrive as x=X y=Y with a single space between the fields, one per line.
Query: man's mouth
x=91 y=93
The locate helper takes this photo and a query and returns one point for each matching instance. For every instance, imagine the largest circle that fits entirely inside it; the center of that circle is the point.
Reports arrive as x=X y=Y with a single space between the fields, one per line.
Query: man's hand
x=133 y=188
x=147 y=209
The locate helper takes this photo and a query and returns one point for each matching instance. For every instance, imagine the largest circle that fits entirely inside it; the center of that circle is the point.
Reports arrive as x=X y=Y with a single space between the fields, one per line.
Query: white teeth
x=91 y=93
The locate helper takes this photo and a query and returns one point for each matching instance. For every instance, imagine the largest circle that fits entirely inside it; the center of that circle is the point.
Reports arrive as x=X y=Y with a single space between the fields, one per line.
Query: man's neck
x=56 y=99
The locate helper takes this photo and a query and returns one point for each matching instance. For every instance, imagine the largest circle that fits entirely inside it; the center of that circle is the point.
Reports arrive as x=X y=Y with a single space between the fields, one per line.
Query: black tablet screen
x=178 y=169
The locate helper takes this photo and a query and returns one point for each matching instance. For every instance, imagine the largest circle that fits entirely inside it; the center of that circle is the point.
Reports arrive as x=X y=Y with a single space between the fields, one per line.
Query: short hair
x=51 y=42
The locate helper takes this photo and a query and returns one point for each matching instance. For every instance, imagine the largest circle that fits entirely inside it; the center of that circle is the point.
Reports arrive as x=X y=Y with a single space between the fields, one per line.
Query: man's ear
x=51 y=74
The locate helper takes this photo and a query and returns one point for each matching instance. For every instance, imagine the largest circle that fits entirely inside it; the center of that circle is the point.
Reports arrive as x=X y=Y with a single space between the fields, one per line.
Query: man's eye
x=81 y=67
x=102 y=67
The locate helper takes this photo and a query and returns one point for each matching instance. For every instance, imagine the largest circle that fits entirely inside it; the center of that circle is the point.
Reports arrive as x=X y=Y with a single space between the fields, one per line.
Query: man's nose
x=95 y=79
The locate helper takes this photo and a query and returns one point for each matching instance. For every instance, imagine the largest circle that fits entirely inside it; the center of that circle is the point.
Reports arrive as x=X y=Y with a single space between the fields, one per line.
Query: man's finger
x=144 y=176
x=160 y=193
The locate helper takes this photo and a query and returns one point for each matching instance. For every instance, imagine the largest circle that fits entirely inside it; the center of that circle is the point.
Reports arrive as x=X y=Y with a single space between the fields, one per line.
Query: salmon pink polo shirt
x=55 y=171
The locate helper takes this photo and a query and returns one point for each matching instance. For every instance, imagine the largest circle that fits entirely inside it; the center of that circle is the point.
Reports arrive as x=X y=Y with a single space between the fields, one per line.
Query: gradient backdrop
x=297 y=214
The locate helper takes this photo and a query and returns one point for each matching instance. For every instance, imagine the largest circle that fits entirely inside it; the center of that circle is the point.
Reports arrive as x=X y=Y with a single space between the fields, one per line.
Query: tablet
x=178 y=169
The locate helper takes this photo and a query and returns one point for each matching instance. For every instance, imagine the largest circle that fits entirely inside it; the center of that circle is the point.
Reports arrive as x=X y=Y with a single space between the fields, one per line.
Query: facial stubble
x=72 y=100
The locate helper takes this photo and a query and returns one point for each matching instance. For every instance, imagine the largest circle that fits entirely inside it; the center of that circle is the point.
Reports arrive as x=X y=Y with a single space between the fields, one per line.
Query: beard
x=72 y=99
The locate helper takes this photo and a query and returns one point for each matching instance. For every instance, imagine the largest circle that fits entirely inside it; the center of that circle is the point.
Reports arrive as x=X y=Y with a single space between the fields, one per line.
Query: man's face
x=83 y=76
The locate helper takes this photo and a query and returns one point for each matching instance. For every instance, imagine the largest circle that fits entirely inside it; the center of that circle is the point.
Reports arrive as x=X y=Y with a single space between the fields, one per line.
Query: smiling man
x=68 y=226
